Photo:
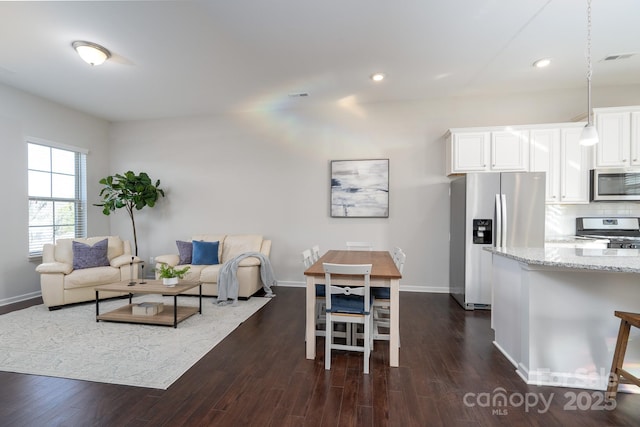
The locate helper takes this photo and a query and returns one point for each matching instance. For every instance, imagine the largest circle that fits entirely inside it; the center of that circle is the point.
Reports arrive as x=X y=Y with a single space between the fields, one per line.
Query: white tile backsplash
x=560 y=220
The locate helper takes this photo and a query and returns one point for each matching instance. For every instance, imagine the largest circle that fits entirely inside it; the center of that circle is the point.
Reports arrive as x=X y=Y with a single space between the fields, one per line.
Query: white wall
x=23 y=115
x=269 y=173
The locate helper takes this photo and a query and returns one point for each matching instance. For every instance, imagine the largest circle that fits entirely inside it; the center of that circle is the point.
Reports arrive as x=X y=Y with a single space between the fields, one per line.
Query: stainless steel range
x=622 y=232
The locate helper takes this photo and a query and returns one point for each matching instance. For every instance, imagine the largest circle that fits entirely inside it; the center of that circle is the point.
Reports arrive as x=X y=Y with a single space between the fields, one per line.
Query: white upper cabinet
x=545 y=157
x=575 y=164
x=552 y=148
x=470 y=151
x=510 y=150
x=619 y=144
x=635 y=138
x=487 y=150
x=557 y=151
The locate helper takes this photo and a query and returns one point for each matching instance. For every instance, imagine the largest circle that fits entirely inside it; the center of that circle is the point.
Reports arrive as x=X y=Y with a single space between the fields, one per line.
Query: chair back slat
x=347 y=290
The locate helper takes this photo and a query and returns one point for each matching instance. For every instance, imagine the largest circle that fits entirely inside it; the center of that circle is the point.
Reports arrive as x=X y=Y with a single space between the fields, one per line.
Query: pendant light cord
x=589 y=66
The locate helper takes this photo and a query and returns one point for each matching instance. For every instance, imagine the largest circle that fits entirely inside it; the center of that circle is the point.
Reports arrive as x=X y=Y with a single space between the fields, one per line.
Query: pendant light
x=589 y=134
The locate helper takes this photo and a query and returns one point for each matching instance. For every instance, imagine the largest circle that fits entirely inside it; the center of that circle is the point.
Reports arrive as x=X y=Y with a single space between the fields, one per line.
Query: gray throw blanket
x=228 y=280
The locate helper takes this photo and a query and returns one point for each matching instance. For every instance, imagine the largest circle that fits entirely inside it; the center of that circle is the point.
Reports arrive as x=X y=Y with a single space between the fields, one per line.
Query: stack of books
x=147 y=308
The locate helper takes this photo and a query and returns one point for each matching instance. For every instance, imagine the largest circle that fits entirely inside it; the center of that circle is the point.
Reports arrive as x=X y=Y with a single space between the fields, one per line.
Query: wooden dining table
x=384 y=273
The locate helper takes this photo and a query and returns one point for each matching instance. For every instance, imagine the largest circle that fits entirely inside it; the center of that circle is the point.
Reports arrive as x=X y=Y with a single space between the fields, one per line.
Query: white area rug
x=69 y=343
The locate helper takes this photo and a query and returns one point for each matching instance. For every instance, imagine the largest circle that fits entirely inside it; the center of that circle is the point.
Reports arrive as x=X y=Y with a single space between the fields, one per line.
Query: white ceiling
x=181 y=58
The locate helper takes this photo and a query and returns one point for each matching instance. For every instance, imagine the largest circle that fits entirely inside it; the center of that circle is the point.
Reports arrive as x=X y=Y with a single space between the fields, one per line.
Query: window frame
x=79 y=199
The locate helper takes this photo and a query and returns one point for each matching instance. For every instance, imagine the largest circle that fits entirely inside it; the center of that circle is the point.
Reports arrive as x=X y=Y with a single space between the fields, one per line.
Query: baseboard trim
x=426 y=289
x=403 y=288
x=20 y=298
x=286 y=284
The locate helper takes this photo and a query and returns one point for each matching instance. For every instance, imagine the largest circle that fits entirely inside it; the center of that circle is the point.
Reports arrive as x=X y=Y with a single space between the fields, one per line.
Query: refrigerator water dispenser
x=482 y=231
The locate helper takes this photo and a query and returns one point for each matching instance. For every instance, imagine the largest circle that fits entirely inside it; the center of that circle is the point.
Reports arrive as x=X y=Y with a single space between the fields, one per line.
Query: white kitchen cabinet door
x=575 y=161
x=614 y=132
x=635 y=138
x=509 y=150
x=544 y=149
x=470 y=152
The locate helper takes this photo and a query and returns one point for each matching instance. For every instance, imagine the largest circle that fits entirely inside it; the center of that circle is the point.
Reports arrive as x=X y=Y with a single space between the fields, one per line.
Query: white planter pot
x=171 y=281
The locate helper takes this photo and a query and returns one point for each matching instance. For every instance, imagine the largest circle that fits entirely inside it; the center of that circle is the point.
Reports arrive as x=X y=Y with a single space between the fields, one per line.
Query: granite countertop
x=575 y=239
x=616 y=260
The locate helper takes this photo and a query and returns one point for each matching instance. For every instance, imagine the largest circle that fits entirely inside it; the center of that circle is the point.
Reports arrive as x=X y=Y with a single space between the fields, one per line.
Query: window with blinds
x=57 y=194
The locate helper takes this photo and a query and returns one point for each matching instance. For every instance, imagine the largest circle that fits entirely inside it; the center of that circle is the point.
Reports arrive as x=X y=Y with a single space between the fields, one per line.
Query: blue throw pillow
x=185 y=251
x=86 y=256
x=205 y=253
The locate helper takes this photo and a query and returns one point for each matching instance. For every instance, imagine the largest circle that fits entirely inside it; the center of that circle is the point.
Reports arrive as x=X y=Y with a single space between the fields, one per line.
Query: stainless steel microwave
x=615 y=185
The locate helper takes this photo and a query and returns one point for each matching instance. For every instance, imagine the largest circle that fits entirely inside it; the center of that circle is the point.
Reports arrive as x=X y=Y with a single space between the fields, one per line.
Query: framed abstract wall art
x=360 y=188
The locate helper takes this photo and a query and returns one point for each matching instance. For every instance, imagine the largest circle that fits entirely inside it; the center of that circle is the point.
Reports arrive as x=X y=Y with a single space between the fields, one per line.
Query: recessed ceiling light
x=541 y=63
x=377 y=77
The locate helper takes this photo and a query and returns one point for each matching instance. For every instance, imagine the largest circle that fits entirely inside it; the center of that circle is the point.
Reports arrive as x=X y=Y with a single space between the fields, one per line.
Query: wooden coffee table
x=170 y=316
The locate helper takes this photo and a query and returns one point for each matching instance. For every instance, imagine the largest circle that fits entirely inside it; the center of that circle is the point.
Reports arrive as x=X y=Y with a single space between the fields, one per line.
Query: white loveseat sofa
x=62 y=284
x=230 y=246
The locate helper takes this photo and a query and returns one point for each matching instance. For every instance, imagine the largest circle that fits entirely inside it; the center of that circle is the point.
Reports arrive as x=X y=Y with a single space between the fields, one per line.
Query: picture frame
x=359 y=188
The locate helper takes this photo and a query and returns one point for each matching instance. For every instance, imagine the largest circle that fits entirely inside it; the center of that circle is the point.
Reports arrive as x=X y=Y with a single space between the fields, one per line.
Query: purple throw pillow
x=86 y=256
x=185 y=251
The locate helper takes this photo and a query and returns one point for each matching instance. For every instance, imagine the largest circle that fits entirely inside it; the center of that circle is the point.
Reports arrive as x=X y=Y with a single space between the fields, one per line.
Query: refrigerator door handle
x=498 y=225
x=503 y=226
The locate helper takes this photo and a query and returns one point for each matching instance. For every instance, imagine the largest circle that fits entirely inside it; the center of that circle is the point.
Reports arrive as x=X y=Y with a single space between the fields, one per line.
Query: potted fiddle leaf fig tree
x=130 y=191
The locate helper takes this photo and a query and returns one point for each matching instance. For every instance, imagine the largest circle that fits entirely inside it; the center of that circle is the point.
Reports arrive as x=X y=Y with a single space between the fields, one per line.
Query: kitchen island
x=553 y=312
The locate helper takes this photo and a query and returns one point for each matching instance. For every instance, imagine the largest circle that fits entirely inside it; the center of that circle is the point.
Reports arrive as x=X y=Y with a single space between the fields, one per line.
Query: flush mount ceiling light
x=91 y=53
x=541 y=63
x=589 y=134
x=377 y=77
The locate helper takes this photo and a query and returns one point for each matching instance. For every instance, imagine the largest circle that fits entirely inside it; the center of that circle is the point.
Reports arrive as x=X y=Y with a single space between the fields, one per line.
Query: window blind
x=57 y=194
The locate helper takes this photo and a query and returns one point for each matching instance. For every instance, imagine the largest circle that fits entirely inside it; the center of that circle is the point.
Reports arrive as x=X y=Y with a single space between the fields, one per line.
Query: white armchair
x=61 y=284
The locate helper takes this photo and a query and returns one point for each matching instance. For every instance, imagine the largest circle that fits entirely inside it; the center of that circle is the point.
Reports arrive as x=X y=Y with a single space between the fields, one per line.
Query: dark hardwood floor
x=449 y=373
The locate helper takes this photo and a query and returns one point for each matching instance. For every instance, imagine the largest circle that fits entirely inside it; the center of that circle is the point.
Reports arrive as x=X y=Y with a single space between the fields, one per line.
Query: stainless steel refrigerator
x=491 y=209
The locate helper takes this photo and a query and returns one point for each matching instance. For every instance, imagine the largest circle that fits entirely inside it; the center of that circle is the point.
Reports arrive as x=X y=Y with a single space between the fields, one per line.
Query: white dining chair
x=320 y=317
x=382 y=302
x=394 y=254
x=307 y=260
x=351 y=305
x=359 y=246
x=399 y=259
x=315 y=253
